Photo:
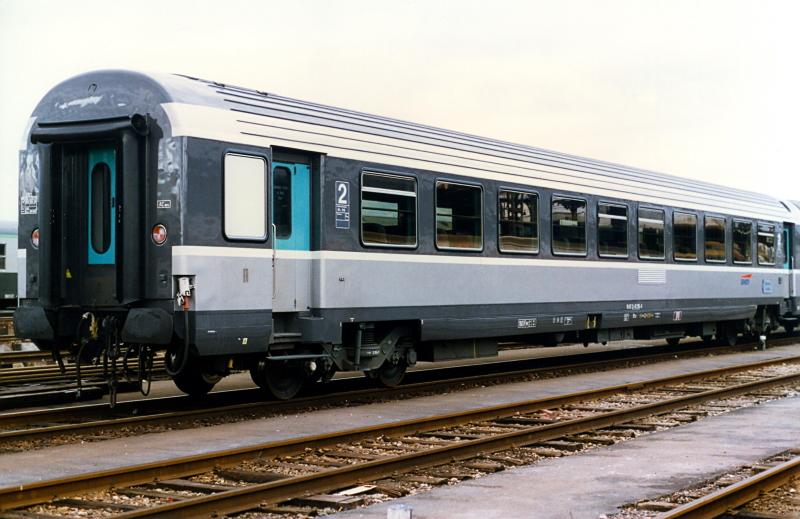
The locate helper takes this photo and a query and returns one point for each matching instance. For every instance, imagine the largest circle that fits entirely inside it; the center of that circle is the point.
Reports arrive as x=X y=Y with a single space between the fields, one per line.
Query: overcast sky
x=701 y=89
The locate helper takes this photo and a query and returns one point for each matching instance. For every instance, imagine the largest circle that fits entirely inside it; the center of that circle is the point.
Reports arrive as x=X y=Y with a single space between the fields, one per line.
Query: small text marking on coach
x=526 y=323
x=342 y=205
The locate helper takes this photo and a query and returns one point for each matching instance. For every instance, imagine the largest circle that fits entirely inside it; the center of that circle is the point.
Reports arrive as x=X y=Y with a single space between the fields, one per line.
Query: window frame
x=267 y=204
x=733 y=241
x=696 y=225
x=639 y=219
x=585 y=201
x=378 y=190
x=614 y=217
x=481 y=211
x=536 y=196
x=775 y=246
x=705 y=239
x=3 y=256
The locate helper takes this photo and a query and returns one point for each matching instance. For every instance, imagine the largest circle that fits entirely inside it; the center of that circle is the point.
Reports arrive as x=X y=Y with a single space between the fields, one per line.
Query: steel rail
x=738 y=494
x=17 y=496
x=86 y=427
x=53 y=372
x=27 y=356
x=239 y=500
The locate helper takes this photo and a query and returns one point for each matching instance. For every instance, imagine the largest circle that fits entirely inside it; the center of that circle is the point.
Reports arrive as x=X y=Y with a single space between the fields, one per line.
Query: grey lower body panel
x=228 y=332
x=476 y=321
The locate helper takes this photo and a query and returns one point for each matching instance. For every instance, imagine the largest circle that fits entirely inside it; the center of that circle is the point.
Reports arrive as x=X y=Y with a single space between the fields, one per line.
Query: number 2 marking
x=343 y=196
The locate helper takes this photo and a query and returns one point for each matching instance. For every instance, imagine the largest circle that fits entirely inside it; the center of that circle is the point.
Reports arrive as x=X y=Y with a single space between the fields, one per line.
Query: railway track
x=79 y=421
x=337 y=468
x=6 y=325
x=32 y=378
x=9 y=358
x=52 y=373
x=725 y=500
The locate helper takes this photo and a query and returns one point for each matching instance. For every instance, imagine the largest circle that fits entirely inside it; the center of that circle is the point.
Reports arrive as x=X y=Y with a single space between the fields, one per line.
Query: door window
x=102 y=205
x=282 y=201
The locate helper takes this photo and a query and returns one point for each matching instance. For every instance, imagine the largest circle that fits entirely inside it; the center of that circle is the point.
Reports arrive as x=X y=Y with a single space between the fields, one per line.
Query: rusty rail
x=738 y=494
x=232 y=501
x=85 y=412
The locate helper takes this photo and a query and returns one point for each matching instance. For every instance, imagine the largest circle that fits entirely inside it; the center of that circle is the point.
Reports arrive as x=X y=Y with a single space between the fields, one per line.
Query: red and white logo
x=159 y=234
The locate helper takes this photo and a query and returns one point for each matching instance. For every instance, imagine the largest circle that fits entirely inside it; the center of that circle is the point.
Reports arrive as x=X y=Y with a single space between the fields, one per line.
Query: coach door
x=86 y=233
x=789 y=256
x=291 y=210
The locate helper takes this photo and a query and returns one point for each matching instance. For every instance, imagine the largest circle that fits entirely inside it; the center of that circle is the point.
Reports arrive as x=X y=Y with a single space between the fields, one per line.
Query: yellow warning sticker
x=69 y=276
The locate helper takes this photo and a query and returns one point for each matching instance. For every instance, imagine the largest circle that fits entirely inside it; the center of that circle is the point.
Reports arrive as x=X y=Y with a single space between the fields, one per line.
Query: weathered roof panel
x=383 y=136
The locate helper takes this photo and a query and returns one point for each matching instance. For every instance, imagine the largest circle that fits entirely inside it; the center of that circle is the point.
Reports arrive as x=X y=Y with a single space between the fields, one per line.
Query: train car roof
x=208 y=109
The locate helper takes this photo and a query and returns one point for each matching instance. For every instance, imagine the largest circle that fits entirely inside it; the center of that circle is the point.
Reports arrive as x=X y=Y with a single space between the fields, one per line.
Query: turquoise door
x=291 y=205
x=102 y=211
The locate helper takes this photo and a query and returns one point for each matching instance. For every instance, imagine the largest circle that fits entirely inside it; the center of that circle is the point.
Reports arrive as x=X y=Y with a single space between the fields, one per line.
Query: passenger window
x=518 y=221
x=569 y=226
x=282 y=201
x=244 y=197
x=651 y=233
x=388 y=210
x=766 y=244
x=715 y=239
x=742 y=241
x=612 y=230
x=459 y=211
x=684 y=236
x=2 y=256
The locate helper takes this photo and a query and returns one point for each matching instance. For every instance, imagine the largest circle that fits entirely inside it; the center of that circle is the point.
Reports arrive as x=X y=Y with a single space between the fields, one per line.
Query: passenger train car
x=8 y=265
x=242 y=230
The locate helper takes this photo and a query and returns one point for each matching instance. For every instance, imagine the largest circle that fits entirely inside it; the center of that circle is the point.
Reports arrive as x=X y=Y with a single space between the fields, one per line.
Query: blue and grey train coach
x=8 y=265
x=240 y=230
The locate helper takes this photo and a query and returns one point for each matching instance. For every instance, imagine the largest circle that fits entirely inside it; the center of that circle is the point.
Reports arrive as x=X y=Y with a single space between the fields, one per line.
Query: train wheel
x=391 y=374
x=282 y=379
x=195 y=379
x=673 y=341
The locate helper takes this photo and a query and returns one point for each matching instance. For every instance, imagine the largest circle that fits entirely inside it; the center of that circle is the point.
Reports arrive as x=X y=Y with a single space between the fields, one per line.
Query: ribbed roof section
x=450 y=147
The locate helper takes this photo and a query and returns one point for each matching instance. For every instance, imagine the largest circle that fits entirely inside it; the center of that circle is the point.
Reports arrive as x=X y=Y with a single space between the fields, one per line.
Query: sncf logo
x=745 y=280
